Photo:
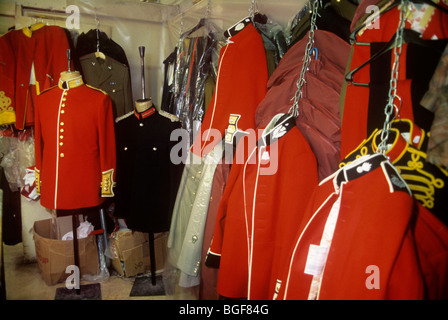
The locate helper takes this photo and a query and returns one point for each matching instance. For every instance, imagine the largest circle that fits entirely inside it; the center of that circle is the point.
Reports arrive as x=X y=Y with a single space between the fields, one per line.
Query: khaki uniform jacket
x=112 y=77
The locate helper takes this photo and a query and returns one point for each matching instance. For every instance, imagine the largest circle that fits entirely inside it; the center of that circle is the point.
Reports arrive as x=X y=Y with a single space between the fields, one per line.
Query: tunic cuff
x=212 y=260
x=107 y=183
x=37 y=174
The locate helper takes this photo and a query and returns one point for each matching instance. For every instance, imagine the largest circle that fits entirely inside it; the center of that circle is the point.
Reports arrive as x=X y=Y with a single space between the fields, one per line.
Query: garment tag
x=315 y=262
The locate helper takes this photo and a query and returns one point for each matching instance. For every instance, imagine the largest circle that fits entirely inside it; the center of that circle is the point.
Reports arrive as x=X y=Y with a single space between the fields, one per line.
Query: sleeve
x=213 y=257
x=128 y=101
x=106 y=137
x=7 y=80
x=38 y=145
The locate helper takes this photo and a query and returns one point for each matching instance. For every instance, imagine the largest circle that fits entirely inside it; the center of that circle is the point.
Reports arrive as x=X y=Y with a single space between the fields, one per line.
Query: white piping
x=245 y=210
x=57 y=152
x=252 y=227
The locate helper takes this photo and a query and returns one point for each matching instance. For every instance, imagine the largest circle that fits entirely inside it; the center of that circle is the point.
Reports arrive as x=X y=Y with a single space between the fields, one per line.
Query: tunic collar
x=70 y=84
x=144 y=114
x=277 y=128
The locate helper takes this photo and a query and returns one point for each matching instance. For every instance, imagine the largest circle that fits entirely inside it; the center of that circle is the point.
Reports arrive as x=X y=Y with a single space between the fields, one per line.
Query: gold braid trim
x=107 y=183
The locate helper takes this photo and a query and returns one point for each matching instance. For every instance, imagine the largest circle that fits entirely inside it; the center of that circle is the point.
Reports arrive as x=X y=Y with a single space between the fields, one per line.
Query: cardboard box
x=53 y=255
x=131 y=252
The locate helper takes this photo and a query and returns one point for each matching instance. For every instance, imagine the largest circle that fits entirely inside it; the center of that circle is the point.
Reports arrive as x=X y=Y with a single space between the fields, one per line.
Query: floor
x=24 y=282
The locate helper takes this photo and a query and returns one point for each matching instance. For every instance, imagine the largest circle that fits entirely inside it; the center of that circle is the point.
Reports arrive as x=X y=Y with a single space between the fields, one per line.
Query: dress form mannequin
x=70 y=79
x=141 y=105
x=69 y=75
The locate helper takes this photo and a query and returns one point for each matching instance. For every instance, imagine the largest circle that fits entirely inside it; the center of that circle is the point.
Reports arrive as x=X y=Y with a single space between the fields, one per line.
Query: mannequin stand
x=84 y=292
x=152 y=285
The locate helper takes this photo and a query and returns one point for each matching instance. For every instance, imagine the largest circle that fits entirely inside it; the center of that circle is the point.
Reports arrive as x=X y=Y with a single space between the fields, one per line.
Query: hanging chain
x=391 y=107
x=294 y=110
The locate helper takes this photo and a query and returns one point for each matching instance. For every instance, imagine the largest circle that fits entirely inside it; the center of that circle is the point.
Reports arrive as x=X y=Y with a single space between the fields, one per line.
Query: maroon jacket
x=318 y=118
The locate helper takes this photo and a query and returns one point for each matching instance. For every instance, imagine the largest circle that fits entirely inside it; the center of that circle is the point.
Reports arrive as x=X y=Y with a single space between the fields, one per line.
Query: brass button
x=62 y=111
x=61 y=137
x=61 y=130
x=62 y=155
x=62 y=123
x=61 y=143
x=63 y=105
x=141 y=124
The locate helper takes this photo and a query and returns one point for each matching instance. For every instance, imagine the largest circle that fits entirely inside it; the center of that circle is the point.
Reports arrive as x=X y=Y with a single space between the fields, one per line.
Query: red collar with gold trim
x=144 y=114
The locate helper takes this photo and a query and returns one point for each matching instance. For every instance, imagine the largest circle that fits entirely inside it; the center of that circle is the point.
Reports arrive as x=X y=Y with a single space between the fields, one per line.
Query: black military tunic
x=147 y=179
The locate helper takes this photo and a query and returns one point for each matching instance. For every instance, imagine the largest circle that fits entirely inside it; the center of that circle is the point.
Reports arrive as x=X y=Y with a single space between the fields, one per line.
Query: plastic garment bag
x=194 y=72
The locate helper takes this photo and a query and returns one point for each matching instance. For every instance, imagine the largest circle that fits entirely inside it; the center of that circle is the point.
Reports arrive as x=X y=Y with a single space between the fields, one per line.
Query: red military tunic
x=358 y=115
x=260 y=211
x=366 y=238
x=31 y=60
x=74 y=146
x=240 y=87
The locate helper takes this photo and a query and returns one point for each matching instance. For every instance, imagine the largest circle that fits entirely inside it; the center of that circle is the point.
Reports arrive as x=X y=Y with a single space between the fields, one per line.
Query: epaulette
x=91 y=87
x=124 y=116
x=170 y=116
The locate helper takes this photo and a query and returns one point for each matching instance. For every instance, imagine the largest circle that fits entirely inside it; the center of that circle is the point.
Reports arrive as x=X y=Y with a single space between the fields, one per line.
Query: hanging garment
x=190 y=254
x=193 y=68
x=428 y=182
x=366 y=238
x=334 y=16
x=169 y=70
x=273 y=39
x=74 y=146
x=261 y=209
x=436 y=100
x=209 y=276
x=364 y=94
x=240 y=86
x=147 y=177
x=31 y=60
x=91 y=42
x=112 y=77
x=318 y=118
